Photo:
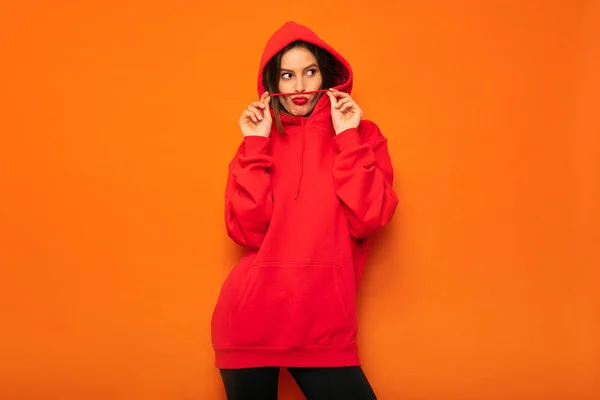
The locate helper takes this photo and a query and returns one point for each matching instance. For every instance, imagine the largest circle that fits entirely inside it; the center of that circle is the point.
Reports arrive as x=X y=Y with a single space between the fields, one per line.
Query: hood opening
x=291 y=32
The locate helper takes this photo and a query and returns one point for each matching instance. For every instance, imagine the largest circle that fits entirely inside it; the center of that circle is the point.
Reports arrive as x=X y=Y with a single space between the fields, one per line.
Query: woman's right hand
x=256 y=120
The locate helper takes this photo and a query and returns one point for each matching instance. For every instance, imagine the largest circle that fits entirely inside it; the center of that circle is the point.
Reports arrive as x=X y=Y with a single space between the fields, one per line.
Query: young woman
x=310 y=181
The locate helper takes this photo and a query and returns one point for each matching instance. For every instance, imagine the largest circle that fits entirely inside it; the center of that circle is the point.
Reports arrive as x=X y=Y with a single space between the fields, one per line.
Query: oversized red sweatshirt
x=302 y=205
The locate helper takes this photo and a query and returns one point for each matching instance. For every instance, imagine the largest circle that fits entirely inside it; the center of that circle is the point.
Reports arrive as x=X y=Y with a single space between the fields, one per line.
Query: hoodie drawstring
x=301 y=159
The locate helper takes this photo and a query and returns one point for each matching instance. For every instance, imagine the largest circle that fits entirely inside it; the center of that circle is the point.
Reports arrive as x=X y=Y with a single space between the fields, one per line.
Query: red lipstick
x=300 y=100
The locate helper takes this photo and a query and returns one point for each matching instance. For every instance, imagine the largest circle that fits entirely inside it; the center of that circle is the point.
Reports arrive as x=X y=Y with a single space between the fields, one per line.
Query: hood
x=290 y=32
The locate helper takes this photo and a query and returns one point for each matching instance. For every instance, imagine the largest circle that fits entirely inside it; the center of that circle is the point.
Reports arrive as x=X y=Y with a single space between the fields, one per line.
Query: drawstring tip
x=296 y=195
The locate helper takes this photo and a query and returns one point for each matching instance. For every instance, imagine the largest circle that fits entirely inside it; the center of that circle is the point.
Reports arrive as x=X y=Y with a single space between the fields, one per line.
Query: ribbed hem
x=347 y=139
x=272 y=356
x=256 y=145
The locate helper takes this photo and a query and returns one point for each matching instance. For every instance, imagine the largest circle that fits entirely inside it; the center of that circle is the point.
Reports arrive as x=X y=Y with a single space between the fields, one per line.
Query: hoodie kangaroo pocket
x=294 y=305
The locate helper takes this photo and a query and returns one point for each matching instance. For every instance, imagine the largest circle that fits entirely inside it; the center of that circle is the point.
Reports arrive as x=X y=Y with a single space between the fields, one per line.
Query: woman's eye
x=312 y=72
x=286 y=75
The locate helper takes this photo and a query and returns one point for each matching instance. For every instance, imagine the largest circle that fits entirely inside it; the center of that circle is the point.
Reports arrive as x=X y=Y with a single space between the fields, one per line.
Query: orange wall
x=117 y=122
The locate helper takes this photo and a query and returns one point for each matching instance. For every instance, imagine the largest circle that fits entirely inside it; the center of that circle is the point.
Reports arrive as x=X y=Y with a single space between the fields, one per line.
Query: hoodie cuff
x=347 y=139
x=254 y=145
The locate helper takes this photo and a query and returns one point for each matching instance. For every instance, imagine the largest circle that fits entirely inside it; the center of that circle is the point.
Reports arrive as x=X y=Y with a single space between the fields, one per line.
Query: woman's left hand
x=345 y=113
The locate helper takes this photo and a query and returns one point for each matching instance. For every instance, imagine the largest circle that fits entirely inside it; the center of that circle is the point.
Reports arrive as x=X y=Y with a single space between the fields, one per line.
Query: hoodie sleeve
x=248 y=195
x=363 y=178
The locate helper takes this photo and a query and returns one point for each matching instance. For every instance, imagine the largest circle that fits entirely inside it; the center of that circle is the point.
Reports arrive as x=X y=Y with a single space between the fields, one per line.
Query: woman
x=303 y=194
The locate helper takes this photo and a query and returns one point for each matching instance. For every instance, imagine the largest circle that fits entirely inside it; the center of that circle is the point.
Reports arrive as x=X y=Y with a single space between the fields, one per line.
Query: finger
x=256 y=112
x=258 y=104
x=264 y=96
x=249 y=115
x=267 y=109
x=265 y=100
x=337 y=93
x=332 y=99
x=348 y=106
x=342 y=102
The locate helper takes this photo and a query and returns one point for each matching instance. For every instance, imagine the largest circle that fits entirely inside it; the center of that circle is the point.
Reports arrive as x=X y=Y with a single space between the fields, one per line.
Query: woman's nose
x=300 y=87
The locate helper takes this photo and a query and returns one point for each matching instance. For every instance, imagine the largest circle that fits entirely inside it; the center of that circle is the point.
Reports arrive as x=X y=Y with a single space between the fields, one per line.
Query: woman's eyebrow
x=305 y=68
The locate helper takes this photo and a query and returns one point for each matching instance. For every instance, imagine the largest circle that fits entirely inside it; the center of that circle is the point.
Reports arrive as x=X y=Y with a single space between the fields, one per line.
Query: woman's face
x=299 y=73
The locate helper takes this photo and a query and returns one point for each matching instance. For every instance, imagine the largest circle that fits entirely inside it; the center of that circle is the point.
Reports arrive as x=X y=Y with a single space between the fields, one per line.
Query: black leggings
x=343 y=383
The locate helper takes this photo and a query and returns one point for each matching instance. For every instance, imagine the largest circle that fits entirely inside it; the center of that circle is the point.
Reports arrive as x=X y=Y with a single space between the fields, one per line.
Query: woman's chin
x=301 y=111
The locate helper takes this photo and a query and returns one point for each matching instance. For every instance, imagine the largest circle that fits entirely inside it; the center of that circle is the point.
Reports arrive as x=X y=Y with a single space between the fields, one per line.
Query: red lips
x=300 y=100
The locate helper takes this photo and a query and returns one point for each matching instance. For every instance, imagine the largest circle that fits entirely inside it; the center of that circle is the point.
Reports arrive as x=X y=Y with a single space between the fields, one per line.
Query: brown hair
x=332 y=71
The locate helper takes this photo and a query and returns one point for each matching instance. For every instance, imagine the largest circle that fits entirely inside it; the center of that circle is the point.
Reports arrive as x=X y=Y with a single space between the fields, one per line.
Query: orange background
x=117 y=123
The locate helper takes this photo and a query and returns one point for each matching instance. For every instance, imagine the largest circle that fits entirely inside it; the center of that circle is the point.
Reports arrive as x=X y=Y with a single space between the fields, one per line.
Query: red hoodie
x=302 y=204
